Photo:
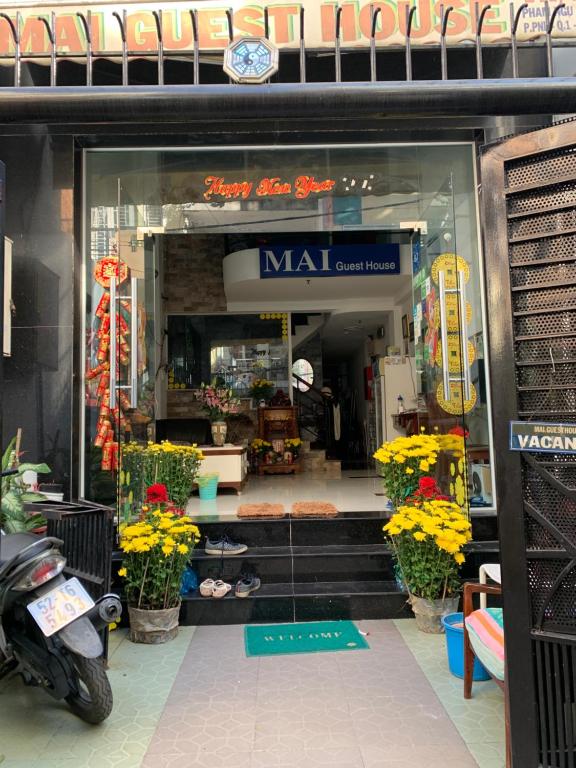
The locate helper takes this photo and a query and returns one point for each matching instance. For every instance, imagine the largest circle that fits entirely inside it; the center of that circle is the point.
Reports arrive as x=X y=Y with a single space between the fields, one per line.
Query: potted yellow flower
x=427 y=537
x=156 y=549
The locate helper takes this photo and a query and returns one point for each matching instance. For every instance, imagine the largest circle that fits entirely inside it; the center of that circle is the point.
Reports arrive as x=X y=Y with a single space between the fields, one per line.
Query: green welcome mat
x=308 y=637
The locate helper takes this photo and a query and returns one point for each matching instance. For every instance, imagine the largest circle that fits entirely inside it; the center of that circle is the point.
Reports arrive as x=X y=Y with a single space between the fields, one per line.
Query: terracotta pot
x=219 y=429
x=153 y=627
x=429 y=613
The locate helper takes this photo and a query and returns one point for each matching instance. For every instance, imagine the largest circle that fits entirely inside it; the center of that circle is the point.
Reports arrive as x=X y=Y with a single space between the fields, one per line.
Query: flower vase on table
x=219 y=431
x=217 y=402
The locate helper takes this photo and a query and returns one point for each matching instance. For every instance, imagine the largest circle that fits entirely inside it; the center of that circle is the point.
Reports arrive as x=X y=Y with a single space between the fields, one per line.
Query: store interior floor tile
x=356 y=490
x=199 y=701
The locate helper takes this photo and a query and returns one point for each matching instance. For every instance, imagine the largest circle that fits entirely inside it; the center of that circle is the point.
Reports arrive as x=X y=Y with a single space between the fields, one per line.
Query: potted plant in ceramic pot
x=156 y=550
x=427 y=535
x=217 y=402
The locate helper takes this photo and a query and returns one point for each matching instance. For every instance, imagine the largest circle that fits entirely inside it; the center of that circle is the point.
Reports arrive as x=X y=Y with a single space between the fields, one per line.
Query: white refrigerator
x=393 y=376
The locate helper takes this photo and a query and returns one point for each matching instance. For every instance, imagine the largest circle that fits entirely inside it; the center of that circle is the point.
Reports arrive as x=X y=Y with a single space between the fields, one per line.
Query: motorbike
x=49 y=626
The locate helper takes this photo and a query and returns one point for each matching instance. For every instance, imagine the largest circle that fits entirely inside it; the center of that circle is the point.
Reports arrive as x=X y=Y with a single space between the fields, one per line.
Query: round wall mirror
x=302 y=369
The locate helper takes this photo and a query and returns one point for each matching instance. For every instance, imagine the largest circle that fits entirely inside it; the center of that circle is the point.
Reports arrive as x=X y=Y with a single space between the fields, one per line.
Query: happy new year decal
x=302 y=187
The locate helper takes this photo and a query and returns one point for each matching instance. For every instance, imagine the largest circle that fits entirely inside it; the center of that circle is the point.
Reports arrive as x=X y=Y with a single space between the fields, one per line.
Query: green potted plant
x=14 y=518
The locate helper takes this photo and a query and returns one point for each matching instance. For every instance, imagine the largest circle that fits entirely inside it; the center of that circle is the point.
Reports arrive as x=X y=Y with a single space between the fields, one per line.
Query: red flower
x=427 y=489
x=178 y=511
x=460 y=431
x=157 y=493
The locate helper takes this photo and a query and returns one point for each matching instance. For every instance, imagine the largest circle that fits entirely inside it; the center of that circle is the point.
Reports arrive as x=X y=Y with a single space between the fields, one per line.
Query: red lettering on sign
x=33 y=36
x=249 y=21
x=283 y=20
x=422 y=23
x=171 y=39
x=213 y=28
x=387 y=21
x=306 y=185
x=349 y=31
x=141 y=32
x=217 y=186
x=497 y=27
x=273 y=187
x=67 y=33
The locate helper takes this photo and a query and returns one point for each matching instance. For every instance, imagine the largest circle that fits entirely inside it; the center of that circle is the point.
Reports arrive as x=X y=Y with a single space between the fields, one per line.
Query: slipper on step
x=207 y=588
x=221 y=588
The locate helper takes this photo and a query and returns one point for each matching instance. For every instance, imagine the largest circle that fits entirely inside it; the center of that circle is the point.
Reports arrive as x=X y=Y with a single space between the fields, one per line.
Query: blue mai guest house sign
x=329 y=261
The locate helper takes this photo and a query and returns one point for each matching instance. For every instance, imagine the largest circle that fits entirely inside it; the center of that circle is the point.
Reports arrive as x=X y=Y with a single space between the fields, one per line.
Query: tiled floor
x=199 y=702
x=355 y=490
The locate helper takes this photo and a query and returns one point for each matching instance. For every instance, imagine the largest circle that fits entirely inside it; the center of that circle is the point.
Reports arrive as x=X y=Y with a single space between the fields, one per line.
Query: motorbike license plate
x=63 y=605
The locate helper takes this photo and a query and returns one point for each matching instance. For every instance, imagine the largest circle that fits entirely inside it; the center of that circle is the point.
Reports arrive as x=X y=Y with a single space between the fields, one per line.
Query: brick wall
x=193 y=279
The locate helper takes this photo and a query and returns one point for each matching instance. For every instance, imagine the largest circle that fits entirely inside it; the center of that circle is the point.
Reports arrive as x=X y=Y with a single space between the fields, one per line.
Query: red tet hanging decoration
x=110 y=420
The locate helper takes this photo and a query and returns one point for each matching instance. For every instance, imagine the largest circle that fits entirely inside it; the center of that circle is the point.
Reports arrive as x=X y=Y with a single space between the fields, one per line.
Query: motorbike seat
x=13 y=544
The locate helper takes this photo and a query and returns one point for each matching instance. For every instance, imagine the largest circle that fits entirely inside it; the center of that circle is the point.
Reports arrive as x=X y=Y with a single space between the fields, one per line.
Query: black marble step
x=346 y=528
x=333 y=562
x=307 y=601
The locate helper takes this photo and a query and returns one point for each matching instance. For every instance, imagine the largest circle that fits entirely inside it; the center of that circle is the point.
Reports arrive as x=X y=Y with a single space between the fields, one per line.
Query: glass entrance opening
x=341 y=284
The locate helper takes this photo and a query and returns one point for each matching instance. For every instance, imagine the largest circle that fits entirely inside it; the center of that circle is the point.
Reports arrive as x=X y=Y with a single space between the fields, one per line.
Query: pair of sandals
x=212 y=588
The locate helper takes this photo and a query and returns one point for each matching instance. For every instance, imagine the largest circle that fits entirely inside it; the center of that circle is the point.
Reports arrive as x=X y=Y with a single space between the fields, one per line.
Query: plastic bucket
x=208 y=490
x=454 y=629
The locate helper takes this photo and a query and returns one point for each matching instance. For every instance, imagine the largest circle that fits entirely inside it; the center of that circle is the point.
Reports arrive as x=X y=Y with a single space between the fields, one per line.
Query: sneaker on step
x=224 y=546
x=247 y=585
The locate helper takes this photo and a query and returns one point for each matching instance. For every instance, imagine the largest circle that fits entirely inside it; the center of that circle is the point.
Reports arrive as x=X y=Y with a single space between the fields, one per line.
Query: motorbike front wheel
x=92 y=699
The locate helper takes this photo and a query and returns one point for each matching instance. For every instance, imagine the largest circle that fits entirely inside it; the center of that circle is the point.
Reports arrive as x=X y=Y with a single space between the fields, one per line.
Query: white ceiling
x=345 y=332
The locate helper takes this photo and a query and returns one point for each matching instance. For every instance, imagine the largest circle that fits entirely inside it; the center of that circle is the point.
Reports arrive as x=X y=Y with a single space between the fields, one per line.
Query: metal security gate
x=529 y=199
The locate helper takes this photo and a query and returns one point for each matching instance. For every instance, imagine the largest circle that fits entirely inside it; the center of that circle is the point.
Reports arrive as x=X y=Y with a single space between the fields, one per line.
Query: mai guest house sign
x=248 y=20
x=542 y=437
x=329 y=261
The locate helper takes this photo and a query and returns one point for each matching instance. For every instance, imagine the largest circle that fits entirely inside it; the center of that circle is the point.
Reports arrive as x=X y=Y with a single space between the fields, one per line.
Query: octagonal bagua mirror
x=251 y=60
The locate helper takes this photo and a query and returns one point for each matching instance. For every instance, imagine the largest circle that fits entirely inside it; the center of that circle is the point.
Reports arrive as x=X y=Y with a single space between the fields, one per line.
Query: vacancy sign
x=542 y=437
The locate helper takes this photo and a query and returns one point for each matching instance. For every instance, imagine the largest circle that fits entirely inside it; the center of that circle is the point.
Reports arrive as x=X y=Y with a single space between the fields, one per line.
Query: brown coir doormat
x=313 y=509
x=261 y=510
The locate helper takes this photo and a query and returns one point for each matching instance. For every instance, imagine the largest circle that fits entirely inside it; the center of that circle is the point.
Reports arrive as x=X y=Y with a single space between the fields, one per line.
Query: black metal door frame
x=530 y=276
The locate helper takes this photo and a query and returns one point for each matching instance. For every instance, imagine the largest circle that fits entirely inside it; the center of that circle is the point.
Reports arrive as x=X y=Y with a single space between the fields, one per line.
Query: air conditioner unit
x=481 y=477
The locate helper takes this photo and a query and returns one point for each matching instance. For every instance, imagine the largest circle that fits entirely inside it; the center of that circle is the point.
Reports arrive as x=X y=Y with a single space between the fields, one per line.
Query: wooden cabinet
x=276 y=424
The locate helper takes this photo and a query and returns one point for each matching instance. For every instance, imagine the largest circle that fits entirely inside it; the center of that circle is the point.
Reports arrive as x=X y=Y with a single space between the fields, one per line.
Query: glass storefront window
x=279 y=212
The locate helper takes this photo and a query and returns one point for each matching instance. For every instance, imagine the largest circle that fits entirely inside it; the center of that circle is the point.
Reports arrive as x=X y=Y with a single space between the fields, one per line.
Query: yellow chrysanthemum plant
x=144 y=465
x=427 y=539
x=404 y=461
x=262 y=389
x=156 y=549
